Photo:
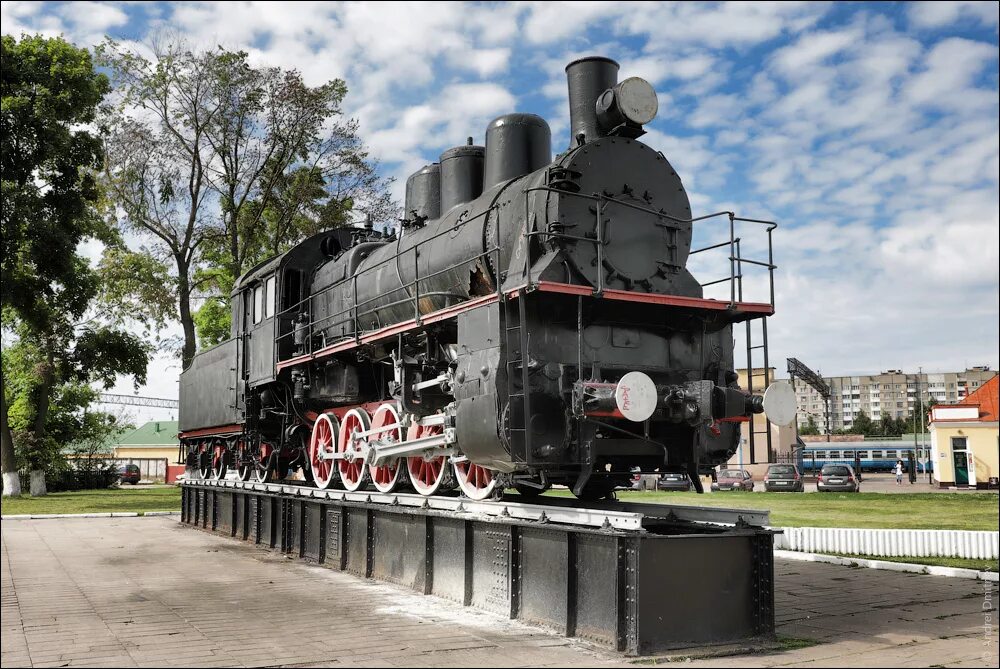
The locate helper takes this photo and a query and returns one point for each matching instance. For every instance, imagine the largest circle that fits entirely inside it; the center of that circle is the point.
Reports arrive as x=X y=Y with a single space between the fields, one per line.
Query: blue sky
x=868 y=131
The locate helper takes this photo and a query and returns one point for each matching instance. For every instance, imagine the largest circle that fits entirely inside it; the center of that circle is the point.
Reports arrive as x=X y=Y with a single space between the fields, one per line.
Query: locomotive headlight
x=630 y=103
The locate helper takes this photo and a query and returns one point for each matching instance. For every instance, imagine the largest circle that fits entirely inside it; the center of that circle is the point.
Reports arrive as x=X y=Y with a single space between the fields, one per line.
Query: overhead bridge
x=638 y=578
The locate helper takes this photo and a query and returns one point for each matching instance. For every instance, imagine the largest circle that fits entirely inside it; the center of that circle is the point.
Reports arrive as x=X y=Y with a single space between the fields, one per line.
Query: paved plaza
x=151 y=592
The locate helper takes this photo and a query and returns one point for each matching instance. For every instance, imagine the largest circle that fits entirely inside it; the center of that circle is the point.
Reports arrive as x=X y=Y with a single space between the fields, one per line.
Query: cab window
x=258 y=304
x=269 y=297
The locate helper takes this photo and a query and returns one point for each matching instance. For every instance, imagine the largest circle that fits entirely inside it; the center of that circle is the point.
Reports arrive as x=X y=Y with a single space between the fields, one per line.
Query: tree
x=49 y=90
x=219 y=161
x=71 y=428
x=862 y=424
x=50 y=205
x=810 y=427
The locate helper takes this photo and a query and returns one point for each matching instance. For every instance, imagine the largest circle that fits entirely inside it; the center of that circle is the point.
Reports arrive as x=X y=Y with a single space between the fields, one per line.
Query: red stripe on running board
x=651 y=298
x=390 y=331
x=210 y=431
x=543 y=286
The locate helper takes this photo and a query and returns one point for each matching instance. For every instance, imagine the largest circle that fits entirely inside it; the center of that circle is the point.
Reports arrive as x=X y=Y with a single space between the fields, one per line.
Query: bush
x=77 y=474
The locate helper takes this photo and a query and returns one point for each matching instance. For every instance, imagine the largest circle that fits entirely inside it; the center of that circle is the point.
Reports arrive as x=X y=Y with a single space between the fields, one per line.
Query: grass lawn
x=166 y=498
x=961 y=563
x=921 y=511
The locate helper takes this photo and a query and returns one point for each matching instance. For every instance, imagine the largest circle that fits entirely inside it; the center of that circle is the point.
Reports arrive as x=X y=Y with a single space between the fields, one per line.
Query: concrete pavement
x=150 y=592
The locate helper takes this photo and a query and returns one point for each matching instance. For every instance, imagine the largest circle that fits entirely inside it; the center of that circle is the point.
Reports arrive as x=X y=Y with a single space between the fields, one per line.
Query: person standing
x=899 y=472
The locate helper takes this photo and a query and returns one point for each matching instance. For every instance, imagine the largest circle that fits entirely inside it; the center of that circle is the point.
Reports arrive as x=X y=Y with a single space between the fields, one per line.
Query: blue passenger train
x=874 y=456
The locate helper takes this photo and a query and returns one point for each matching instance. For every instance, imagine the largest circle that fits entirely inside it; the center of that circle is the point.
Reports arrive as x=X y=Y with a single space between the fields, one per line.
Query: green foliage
x=862 y=424
x=810 y=427
x=49 y=91
x=213 y=321
x=135 y=288
x=226 y=165
x=69 y=424
x=51 y=203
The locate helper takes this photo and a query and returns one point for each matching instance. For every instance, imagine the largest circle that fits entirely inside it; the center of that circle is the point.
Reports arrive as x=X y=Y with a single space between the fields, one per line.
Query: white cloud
x=947 y=78
x=93 y=16
x=936 y=14
x=873 y=141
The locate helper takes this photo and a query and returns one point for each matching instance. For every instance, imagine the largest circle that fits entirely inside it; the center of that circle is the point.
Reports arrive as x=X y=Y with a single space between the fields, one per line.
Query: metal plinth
x=667 y=584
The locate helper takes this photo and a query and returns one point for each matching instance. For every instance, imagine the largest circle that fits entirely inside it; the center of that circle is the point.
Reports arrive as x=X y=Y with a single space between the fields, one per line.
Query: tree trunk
x=41 y=415
x=38 y=483
x=184 y=310
x=8 y=463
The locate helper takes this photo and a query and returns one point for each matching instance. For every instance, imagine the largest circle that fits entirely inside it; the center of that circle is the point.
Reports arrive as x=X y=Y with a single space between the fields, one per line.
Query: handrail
x=354 y=314
x=354 y=310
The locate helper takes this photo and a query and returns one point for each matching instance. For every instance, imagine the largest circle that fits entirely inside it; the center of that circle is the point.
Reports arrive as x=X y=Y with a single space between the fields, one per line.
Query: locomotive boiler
x=531 y=322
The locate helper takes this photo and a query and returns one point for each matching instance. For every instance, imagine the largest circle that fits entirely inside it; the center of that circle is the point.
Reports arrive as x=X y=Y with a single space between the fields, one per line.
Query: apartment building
x=892 y=393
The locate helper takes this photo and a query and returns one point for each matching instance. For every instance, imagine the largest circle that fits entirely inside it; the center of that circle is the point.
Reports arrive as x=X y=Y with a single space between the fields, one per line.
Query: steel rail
x=608 y=515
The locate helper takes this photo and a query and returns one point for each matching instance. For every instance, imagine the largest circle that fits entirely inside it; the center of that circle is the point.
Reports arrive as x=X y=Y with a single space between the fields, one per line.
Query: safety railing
x=354 y=314
x=736 y=259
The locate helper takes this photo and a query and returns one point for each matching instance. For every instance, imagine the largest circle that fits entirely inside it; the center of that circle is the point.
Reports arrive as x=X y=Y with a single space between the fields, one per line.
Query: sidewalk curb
x=953 y=572
x=115 y=514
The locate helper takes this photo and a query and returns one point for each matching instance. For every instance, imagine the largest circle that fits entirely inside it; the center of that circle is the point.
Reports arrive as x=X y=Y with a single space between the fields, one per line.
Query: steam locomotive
x=531 y=322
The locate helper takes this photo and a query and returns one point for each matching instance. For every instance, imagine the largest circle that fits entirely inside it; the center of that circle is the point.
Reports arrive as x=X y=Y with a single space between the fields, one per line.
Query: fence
x=891 y=543
x=150 y=469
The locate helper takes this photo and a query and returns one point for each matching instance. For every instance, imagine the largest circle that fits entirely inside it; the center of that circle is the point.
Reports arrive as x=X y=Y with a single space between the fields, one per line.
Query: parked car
x=129 y=474
x=678 y=481
x=783 y=478
x=642 y=481
x=837 y=478
x=733 y=479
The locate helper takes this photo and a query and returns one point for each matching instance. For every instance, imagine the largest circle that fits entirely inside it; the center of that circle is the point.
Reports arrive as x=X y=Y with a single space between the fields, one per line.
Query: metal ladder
x=752 y=375
x=516 y=351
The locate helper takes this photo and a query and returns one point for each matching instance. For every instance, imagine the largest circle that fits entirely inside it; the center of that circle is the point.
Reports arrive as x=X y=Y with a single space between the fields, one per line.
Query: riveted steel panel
x=240 y=515
x=333 y=555
x=267 y=515
x=399 y=554
x=256 y=533
x=356 y=541
x=313 y=531
x=679 y=569
x=491 y=567
x=224 y=512
x=279 y=522
x=295 y=529
x=544 y=577
x=596 y=588
x=449 y=559
x=206 y=498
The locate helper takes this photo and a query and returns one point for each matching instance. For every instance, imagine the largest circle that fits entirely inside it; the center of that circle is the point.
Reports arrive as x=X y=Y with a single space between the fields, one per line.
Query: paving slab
x=151 y=592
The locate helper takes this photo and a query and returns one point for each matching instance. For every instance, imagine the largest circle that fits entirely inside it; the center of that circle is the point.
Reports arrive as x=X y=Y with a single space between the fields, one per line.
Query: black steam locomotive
x=532 y=322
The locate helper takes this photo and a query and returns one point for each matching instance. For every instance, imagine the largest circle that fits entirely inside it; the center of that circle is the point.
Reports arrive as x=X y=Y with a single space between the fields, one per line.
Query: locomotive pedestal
x=634 y=577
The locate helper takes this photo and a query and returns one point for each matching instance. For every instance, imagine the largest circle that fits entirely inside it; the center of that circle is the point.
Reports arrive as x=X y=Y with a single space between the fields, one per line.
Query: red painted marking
x=390 y=331
x=543 y=286
x=654 y=298
x=209 y=431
